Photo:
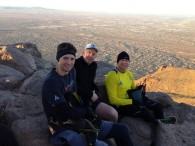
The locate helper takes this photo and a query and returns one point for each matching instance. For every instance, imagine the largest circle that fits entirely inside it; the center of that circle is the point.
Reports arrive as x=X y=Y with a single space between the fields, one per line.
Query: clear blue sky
x=174 y=7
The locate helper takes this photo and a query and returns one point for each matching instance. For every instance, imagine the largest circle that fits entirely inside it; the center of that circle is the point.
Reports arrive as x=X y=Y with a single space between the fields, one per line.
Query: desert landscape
x=151 y=41
x=162 y=53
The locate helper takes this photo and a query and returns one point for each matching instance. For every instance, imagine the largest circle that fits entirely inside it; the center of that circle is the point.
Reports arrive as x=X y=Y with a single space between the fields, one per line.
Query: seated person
x=118 y=82
x=85 y=74
x=67 y=120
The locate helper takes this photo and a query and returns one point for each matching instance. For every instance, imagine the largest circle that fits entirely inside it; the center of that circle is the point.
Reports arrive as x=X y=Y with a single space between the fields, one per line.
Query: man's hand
x=142 y=83
x=94 y=97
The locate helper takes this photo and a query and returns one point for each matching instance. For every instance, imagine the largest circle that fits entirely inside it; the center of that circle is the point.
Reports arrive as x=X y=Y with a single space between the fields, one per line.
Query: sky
x=170 y=7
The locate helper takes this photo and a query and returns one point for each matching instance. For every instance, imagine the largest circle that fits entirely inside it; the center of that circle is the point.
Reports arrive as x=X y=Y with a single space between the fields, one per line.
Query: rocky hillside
x=177 y=82
x=22 y=71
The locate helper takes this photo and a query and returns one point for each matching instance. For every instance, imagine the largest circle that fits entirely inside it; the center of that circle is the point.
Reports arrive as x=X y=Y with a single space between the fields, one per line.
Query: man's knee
x=114 y=115
x=107 y=112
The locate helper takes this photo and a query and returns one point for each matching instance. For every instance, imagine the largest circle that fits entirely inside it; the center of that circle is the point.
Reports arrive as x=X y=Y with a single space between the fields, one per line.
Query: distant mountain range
x=27 y=9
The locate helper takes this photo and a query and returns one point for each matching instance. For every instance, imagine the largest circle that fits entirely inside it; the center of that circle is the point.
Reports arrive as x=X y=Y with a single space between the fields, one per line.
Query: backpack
x=88 y=126
x=137 y=95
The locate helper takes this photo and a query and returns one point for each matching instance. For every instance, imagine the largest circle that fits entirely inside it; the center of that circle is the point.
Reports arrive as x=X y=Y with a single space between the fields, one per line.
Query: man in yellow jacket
x=118 y=82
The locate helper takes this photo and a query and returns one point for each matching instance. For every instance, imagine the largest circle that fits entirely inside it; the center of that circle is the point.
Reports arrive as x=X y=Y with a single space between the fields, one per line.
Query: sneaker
x=169 y=120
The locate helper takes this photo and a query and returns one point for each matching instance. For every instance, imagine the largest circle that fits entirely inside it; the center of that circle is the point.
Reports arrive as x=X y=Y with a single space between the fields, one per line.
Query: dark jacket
x=55 y=92
x=85 y=76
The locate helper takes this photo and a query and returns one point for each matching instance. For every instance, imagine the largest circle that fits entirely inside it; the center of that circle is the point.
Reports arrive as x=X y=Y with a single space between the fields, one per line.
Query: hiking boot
x=169 y=120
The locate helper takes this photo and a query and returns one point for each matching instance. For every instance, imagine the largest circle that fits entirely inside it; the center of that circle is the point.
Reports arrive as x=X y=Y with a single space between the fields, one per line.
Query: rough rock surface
x=9 y=77
x=21 y=107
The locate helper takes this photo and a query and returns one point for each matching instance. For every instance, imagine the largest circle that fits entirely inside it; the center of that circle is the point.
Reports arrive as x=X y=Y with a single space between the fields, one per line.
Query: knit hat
x=65 y=48
x=91 y=46
x=123 y=55
x=64 y=52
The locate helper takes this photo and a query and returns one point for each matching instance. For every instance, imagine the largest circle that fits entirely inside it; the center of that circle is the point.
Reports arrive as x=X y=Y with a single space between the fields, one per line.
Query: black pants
x=121 y=135
x=143 y=111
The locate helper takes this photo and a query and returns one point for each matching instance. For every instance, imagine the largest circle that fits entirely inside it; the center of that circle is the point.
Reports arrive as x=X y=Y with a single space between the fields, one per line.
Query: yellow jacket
x=117 y=84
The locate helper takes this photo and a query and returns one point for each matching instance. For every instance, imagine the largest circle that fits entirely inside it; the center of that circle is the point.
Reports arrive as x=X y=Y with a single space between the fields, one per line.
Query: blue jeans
x=72 y=138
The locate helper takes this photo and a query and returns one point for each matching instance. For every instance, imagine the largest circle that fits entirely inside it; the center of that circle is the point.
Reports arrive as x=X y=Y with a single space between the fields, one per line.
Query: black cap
x=123 y=55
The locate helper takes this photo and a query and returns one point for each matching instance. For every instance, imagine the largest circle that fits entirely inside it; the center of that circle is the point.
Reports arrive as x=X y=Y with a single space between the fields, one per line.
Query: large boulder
x=33 y=85
x=28 y=48
x=43 y=64
x=9 y=77
x=171 y=80
x=20 y=61
x=31 y=130
x=140 y=131
x=180 y=134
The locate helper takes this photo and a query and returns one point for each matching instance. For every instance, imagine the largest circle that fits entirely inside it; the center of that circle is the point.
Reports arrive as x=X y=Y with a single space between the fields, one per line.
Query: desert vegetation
x=151 y=41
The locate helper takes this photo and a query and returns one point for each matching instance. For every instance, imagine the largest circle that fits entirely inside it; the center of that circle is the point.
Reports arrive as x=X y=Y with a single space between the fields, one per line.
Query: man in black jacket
x=64 y=117
x=85 y=74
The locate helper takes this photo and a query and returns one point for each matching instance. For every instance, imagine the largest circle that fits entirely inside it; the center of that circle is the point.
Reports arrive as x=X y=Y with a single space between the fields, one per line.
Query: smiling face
x=122 y=65
x=89 y=55
x=65 y=64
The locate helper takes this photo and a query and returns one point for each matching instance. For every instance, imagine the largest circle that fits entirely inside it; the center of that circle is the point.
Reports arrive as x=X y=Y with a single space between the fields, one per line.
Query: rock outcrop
x=22 y=72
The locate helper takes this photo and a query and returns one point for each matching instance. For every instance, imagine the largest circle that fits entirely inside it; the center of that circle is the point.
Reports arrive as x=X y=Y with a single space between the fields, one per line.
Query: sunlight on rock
x=4 y=55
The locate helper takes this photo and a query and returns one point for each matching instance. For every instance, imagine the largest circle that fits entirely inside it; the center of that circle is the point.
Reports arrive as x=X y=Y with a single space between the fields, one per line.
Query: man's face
x=89 y=55
x=122 y=65
x=66 y=63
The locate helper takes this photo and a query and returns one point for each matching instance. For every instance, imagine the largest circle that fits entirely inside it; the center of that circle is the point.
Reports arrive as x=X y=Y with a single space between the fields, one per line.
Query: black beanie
x=123 y=55
x=64 y=52
x=65 y=48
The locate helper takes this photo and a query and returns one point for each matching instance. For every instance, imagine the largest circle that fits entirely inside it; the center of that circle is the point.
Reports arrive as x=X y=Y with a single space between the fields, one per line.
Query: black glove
x=90 y=130
x=97 y=122
x=140 y=87
x=135 y=102
x=89 y=113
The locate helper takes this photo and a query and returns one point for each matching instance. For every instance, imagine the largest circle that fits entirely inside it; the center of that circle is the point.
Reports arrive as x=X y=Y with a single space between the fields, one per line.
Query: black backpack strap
x=116 y=70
